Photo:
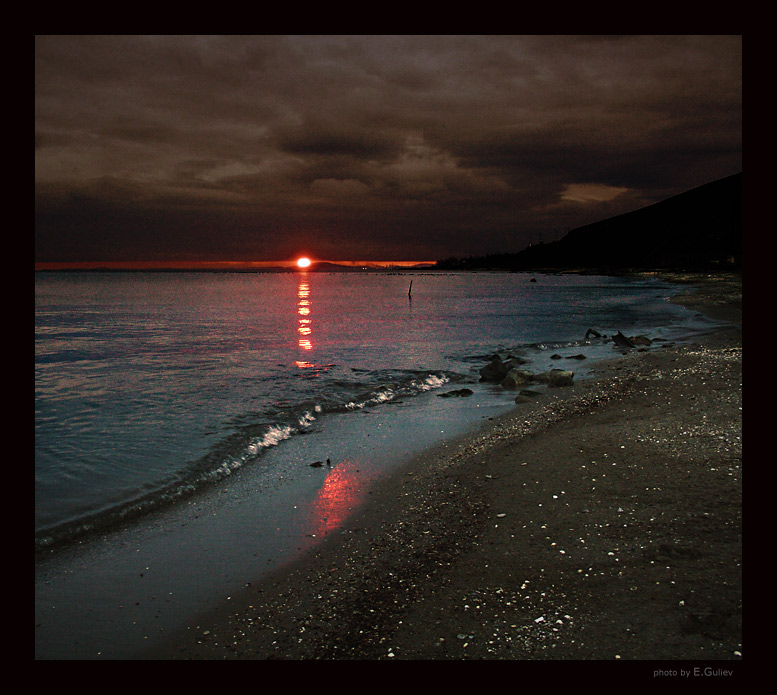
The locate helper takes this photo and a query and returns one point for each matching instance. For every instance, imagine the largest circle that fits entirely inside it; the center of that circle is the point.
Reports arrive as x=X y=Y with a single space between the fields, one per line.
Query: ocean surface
x=194 y=430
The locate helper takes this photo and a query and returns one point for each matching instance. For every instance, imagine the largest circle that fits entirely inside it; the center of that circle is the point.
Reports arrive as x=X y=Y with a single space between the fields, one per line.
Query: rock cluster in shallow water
x=511 y=375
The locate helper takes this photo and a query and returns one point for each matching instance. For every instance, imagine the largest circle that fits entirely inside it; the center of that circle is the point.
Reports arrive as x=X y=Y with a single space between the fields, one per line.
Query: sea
x=197 y=430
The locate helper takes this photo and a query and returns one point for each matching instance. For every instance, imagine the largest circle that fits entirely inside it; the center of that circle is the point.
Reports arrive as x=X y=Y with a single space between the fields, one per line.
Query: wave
x=246 y=444
x=390 y=392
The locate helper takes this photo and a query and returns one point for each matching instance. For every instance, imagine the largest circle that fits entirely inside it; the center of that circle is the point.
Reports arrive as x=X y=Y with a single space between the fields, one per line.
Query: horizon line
x=214 y=265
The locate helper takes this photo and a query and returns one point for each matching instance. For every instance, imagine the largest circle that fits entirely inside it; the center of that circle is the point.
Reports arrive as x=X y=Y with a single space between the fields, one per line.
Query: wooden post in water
x=410 y=291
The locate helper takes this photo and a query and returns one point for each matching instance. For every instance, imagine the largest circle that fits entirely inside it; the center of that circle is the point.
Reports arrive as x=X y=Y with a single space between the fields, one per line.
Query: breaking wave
x=246 y=443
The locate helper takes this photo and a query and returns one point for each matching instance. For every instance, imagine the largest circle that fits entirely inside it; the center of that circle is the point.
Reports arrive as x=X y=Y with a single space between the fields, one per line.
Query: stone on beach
x=517 y=377
x=629 y=342
x=496 y=370
x=622 y=341
x=457 y=393
x=556 y=377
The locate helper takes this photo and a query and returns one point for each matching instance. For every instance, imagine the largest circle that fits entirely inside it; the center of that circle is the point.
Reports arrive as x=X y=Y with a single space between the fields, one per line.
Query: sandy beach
x=602 y=521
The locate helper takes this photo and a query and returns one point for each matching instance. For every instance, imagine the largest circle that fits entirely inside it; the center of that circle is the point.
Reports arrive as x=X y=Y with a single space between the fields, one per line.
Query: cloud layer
x=375 y=147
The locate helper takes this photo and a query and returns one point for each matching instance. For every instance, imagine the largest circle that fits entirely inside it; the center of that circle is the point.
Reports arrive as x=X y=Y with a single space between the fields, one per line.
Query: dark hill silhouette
x=693 y=230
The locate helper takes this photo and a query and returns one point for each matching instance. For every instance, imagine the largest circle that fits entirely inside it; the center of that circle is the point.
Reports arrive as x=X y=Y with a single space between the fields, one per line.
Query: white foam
x=433 y=381
x=307 y=419
x=384 y=395
x=274 y=435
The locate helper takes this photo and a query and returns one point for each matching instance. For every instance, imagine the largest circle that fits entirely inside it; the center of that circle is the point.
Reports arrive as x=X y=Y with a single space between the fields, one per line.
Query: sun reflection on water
x=337 y=498
x=305 y=322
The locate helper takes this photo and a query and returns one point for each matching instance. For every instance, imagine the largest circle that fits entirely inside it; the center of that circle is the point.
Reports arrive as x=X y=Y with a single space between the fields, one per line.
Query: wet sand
x=600 y=522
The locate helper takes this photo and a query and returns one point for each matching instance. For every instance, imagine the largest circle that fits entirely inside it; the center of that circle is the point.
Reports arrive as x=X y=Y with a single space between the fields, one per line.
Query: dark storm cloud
x=367 y=147
x=329 y=142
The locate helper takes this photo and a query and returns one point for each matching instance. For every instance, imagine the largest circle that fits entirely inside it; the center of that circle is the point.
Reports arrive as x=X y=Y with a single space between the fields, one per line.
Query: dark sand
x=602 y=522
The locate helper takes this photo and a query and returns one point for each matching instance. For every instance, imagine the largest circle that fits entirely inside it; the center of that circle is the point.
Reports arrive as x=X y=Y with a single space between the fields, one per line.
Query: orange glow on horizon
x=217 y=265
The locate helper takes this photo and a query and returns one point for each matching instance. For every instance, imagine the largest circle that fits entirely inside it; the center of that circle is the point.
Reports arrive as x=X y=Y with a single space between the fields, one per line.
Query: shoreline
x=600 y=523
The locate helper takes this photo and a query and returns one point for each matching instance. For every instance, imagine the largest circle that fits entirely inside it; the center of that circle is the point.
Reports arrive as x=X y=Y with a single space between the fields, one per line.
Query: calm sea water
x=152 y=389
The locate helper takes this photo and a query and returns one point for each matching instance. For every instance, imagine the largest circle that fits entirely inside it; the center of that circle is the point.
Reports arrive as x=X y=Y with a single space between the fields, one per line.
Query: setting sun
x=303 y=263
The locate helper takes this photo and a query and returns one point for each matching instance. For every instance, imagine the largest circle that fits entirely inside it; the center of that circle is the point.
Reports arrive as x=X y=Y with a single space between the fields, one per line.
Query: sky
x=262 y=148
